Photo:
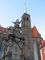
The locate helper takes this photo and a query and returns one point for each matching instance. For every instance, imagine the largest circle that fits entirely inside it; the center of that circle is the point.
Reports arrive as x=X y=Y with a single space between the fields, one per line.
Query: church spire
x=25 y=7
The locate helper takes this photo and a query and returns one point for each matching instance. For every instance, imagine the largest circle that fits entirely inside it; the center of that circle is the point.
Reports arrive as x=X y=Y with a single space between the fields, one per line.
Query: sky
x=11 y=10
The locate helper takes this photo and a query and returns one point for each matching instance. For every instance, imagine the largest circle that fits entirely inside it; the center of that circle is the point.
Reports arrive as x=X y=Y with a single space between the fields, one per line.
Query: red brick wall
x=43 y=53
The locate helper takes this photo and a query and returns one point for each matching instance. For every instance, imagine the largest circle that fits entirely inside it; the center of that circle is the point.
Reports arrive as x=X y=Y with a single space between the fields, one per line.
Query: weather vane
x=25 y=7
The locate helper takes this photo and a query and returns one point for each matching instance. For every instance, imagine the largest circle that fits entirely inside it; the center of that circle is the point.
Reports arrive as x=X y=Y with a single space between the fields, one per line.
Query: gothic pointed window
x=27 y=18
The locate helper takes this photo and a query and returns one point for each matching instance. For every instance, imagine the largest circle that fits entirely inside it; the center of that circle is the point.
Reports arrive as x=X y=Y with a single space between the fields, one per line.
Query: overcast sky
x=10 y=10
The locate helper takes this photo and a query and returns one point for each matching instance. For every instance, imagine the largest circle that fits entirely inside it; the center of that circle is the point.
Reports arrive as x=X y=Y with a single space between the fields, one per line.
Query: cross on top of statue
x=16 y=24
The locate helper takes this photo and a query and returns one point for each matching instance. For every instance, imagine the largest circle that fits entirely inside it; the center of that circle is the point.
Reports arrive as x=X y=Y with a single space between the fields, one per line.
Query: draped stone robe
x=12 y=51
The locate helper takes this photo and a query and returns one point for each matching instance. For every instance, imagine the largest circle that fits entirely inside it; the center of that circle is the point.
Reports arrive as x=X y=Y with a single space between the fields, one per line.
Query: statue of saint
x=16 y=23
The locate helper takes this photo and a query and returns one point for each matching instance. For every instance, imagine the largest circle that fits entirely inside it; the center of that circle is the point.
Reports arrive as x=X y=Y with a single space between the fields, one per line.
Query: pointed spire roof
x=35 y=32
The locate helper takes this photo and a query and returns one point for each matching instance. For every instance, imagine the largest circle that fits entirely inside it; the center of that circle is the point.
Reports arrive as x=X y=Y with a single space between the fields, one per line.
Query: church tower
x=28 y=51
x=26 y=23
